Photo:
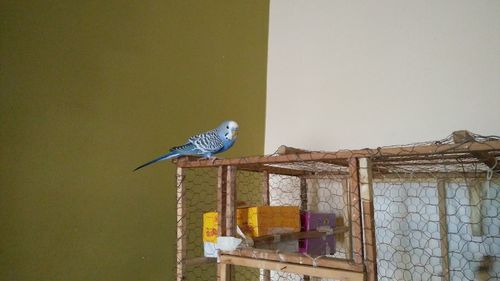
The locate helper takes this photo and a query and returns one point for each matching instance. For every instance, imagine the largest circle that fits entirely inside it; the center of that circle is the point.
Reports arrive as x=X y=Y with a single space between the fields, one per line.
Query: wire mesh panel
x=284 y=190
x=474 y=256
x=410 y=241
x=199 y=196
x=407 y=231
x=325 y=195
x=248 y=193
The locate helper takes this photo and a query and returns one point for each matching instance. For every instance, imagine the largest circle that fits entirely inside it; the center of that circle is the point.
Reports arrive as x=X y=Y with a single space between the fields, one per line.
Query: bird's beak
x=235 y=133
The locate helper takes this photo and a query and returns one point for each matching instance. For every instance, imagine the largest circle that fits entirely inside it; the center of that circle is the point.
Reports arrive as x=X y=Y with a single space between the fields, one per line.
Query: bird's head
x=229 y=130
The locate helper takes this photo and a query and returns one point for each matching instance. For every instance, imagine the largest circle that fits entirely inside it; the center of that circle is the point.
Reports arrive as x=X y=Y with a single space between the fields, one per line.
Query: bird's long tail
x=169 y=155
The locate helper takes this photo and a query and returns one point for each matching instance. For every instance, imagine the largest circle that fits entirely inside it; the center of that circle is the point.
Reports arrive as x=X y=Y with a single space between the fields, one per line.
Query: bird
x=205 y=144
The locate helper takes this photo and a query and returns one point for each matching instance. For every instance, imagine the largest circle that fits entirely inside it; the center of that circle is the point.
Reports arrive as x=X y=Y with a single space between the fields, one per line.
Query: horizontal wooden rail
x=388 y=152
x=296 y=258
x=298 y=235
x=338 y=274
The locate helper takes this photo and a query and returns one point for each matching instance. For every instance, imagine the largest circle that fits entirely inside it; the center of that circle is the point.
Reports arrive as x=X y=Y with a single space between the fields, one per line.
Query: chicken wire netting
x=326 y=195
x=436 y=216
x=199 y=197
x=408 y=230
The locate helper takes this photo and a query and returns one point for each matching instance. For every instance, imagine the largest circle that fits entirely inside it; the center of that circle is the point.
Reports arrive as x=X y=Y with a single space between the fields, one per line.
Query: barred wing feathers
x=207 y=142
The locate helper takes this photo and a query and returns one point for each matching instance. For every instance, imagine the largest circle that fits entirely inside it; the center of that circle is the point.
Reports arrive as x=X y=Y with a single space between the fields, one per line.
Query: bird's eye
x=227 y=127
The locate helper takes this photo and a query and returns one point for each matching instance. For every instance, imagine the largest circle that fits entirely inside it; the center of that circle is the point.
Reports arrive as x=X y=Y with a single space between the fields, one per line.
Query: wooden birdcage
x=347 y=177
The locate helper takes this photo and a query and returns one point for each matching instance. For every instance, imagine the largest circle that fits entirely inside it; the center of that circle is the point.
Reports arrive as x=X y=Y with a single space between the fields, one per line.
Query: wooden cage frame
x=361 y=263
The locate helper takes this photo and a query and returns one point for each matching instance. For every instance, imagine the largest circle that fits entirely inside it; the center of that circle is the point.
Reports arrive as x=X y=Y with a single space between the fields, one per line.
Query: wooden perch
x=298 y=235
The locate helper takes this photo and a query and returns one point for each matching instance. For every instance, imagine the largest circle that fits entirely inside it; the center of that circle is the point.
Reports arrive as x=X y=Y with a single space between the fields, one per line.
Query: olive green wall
x=91 y=89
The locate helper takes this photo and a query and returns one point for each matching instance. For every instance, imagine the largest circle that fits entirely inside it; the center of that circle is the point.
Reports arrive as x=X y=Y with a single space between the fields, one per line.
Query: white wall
x=355 y=74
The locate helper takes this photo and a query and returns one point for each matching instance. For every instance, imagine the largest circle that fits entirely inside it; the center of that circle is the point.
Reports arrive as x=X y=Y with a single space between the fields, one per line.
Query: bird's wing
x=207 y=142
x=186 y=149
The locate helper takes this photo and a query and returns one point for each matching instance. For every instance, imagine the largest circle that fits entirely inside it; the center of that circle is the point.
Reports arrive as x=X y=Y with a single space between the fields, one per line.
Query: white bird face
x=230 y=129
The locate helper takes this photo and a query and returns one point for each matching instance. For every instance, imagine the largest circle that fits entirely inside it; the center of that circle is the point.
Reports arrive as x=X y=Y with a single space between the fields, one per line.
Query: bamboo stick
x=222 y=270
x=356 y=231
x=266 y=273
x=181 y=225
x=366 y=189
x=443 y=229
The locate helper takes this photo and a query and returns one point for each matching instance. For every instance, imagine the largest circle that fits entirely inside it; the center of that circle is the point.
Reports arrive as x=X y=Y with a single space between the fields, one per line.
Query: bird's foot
x=212 y=159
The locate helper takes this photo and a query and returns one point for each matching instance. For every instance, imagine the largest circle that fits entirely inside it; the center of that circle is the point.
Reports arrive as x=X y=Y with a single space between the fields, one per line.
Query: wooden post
x=265 y=188
x=221 y=200
x=303 y=207
x=181 y=225
x=313 y=195
x=366 y=189
x=475 y=196
x=222 y=269
x=231 y=210
x=266 y=273
x=344 y=238
x=231 y=201
x=303 y=194
x=475 y=186
x=356 y=231
x=443 y=229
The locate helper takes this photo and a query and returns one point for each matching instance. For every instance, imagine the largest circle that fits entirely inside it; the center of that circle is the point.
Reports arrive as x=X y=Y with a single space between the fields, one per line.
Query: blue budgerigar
x=205 y=144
